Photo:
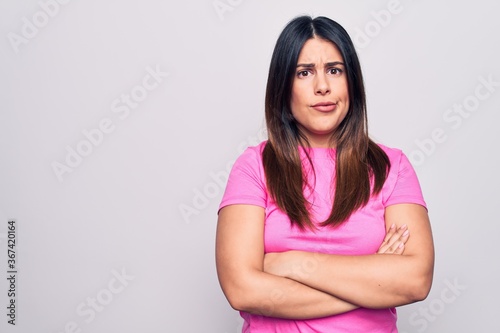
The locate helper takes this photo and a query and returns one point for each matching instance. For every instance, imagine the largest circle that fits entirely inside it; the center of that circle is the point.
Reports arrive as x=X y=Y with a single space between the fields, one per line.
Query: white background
x=142 y=203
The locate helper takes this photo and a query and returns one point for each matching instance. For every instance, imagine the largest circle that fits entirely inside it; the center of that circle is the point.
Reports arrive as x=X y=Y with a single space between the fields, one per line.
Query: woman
x=314 y=227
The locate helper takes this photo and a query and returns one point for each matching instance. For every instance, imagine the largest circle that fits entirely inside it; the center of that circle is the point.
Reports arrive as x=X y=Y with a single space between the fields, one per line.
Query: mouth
x=324 y=106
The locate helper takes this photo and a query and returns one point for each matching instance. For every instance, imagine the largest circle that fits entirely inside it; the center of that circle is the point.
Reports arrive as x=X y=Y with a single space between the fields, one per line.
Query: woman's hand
x=394 y=241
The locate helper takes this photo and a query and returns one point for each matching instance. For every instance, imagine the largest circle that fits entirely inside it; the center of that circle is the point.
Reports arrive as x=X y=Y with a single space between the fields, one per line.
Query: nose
x=322 y=86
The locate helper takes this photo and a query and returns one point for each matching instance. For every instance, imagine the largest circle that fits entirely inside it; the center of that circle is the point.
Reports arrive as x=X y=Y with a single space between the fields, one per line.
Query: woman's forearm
x=375 y=281
x=372 y=281
x=273 y=296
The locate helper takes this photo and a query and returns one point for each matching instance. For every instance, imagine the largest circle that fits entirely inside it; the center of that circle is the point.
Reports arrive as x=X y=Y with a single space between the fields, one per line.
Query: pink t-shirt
x=361 y=234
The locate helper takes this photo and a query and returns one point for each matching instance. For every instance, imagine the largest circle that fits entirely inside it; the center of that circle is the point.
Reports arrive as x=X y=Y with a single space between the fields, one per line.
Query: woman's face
x=320 y=98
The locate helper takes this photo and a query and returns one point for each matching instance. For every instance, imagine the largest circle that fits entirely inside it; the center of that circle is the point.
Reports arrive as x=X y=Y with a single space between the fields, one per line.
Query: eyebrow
x=328 y=64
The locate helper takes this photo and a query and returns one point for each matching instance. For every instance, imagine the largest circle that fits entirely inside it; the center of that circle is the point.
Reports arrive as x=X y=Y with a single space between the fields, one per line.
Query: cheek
x=342 y=90
x=346 y=91
x=295 y=101
x=347 y=103
x=346 y=96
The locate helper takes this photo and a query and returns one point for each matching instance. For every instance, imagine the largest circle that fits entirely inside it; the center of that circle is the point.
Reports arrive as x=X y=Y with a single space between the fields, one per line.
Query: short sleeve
x=404 y=186
x=246 y=183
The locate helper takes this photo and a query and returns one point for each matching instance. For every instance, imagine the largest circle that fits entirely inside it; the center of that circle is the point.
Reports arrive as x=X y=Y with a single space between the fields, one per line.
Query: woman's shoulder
x=401 y=185
x=397 y=159
x=400 y=165
x=260 y=147
x=250 y=157
x=254 y=151
x=394 y=154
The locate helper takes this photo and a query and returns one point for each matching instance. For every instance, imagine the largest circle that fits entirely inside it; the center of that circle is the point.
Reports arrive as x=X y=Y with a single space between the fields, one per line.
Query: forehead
x=318 y=50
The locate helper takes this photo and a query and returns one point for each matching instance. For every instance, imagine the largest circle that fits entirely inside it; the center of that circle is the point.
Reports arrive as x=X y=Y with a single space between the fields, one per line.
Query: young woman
x=314 y=227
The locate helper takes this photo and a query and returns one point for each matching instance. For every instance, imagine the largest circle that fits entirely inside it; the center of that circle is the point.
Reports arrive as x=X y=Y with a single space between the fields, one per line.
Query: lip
x=324 y=106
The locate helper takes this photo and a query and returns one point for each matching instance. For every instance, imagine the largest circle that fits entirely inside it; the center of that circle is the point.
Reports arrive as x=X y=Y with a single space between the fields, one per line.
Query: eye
x=303 y=73
x=335 y=71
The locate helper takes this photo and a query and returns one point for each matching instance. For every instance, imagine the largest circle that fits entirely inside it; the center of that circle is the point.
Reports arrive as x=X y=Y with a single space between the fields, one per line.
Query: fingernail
x=404 y=226
x=393 y=226
x=406 y=233
x=401 y=245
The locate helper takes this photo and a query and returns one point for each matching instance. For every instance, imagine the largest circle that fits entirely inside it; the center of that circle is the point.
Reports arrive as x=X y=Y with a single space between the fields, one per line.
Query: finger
x=389 y=233
x=391 y=249
x=397 y=235
x=400 y=248
x=395 y=245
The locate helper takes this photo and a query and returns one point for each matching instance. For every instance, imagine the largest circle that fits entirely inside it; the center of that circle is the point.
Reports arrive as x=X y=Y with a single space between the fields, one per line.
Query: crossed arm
x=400 y=273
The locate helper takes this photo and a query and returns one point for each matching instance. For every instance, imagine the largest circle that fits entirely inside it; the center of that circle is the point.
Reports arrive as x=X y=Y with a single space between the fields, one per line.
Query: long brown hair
x=358 y=158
